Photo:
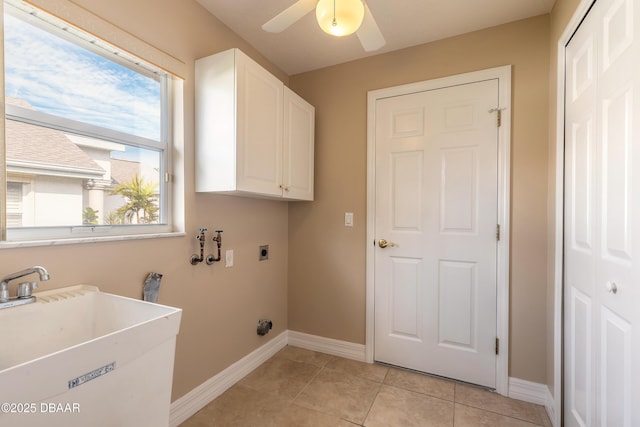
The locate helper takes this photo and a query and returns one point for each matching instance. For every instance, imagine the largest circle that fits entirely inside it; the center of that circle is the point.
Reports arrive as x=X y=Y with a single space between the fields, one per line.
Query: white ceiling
x=404 y=23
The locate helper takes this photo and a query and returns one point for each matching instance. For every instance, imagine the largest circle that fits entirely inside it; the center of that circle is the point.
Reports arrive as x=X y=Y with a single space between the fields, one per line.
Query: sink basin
x=79 y=357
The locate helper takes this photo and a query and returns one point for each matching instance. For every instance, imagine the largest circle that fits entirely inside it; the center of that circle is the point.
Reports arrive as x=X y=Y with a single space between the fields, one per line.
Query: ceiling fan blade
x=369 y=34
x=287 y=17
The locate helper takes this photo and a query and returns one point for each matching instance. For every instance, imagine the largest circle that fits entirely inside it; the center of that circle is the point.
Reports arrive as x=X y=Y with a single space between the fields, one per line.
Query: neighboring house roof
x=18 y=102
x=36 y=149
x=42 y=147
x=36 y=144
x=123 y=170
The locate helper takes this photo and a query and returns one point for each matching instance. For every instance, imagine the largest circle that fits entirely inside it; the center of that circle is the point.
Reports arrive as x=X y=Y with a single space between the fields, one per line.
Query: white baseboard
x=550 y=406
x=199 y=397
x=344 y=349
x=533 y=393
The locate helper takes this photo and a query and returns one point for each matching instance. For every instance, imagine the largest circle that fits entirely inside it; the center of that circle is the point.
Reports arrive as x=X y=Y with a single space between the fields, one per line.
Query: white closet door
x=602 y=219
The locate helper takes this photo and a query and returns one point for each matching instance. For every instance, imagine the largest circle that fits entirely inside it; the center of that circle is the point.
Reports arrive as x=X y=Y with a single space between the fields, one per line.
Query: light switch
x=228 y=258
x=348 y=219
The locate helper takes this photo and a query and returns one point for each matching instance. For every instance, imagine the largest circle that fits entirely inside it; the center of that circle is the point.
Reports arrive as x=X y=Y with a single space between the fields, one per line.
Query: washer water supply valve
x=264 y=326
x=201 y=238
x=218 y=239
x=195 y=259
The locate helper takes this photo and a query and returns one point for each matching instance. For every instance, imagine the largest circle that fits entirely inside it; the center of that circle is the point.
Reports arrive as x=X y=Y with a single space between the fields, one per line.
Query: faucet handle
x=26 y=288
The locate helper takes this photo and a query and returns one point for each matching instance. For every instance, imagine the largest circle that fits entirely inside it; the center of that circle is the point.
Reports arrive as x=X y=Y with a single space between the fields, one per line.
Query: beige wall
x=327 y=261
x=221 y=305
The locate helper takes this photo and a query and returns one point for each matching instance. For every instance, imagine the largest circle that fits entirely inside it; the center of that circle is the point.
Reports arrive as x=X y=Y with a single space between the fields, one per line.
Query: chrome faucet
x=23 y=295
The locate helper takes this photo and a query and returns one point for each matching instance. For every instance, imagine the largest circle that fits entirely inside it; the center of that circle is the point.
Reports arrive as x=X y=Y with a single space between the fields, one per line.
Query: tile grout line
x=309 y=382
x=361 y=424
x=293 y=399
x=470 y=405
x=453 y=421
x=500 y=414
x=422 y=394
x=372 y=403
x=322 y=367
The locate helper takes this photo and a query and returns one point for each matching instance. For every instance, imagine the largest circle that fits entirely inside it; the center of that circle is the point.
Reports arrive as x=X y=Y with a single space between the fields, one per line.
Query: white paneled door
x=436 y=214
x=602 y=218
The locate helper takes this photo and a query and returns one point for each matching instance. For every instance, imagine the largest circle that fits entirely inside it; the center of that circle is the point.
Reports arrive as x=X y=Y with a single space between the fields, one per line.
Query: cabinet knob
x=611 y=287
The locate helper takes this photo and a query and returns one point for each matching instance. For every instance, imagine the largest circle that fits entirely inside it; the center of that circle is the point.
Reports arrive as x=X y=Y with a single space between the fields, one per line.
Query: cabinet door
x=299 y=119
x=259 y=121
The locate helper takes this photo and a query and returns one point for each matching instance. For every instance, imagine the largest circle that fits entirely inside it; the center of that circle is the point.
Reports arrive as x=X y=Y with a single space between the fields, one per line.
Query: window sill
x=80 y=240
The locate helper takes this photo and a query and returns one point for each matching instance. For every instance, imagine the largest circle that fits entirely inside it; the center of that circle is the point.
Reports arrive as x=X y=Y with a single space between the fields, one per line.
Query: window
x=87 y=133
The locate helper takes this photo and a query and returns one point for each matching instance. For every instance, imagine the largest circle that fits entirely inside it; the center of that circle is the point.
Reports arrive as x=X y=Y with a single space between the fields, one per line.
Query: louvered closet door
x=602 y=218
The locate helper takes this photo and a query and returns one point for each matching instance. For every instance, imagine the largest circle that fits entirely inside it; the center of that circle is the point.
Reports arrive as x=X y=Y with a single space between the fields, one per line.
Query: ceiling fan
x=335 y=17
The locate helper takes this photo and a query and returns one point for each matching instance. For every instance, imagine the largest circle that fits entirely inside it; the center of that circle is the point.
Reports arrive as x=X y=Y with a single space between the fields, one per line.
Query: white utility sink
x=80 y=357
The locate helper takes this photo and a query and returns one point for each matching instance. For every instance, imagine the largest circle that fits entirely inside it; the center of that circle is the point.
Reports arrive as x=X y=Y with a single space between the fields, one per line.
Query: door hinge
x=498 y=232
x=498 y=115
x=497 y=346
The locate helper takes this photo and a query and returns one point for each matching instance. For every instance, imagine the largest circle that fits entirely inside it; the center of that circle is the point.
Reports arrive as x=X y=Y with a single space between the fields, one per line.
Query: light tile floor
x=303 y=388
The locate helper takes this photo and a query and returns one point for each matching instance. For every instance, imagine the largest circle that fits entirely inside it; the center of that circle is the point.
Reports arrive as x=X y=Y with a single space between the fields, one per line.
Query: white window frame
x=171 y=214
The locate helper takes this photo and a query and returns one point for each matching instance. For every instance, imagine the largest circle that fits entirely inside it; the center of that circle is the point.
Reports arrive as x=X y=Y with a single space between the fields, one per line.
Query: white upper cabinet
x=299 y=130
x=254 y=136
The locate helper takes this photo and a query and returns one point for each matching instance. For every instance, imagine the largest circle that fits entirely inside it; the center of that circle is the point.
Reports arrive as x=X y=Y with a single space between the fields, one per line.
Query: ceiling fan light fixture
x=340 y=17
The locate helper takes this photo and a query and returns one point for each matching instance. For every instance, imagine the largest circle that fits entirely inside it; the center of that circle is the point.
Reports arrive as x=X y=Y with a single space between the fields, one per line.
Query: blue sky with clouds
x=61 y=78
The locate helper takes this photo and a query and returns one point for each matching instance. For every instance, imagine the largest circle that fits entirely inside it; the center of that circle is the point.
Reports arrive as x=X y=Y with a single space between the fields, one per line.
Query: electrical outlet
x=264 y=252
x=228 y=258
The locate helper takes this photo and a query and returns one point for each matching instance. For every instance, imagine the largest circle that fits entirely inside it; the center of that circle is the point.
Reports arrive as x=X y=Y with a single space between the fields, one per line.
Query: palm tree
x=90 y=216
x=113 y=218
x=142 y=201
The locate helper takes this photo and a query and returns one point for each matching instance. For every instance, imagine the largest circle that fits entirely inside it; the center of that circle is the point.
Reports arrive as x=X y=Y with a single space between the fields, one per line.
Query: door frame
x=558 y=237
x=503 y=74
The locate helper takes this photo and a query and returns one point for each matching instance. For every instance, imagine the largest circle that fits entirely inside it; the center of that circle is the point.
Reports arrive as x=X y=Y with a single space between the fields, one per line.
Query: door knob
x=383 y=243
x=611 y=287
